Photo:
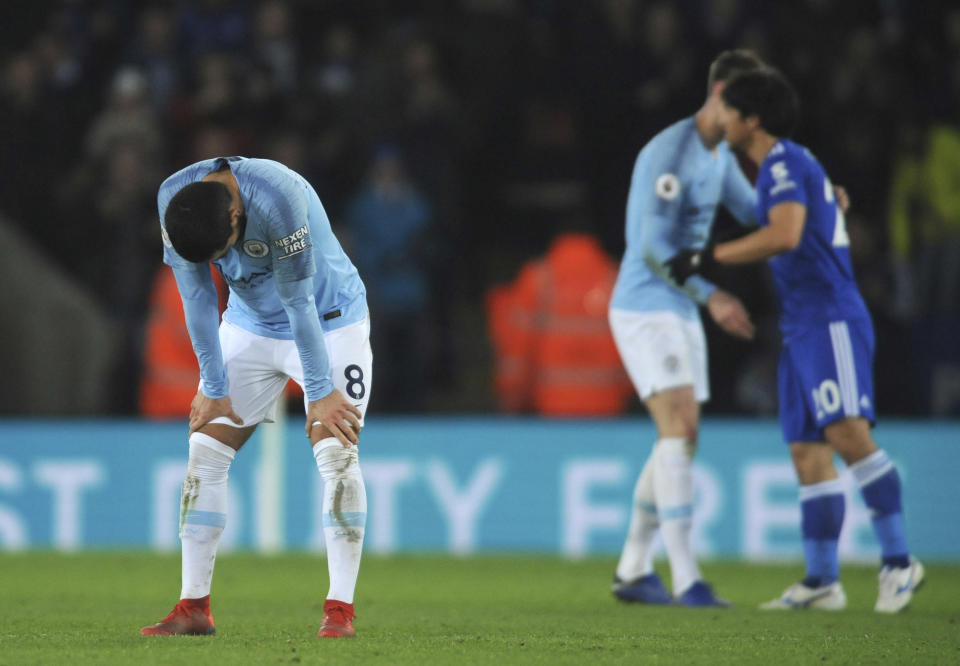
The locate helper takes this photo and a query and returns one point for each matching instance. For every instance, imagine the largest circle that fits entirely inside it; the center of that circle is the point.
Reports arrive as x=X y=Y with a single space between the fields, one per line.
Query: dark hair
x=730 y=63
x=767 y=95
x=198 y=220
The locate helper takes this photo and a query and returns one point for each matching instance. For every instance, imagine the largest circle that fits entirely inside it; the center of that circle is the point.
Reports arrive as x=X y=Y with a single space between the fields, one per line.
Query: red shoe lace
x=179 y=609
x=339 y=614
x=186 y=608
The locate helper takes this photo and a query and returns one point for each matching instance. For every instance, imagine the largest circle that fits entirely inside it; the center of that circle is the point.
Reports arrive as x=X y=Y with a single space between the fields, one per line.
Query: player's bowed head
x=203 y=221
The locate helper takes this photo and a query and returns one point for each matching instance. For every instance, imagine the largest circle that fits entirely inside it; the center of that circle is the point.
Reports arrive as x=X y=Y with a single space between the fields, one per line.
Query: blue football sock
x=822 y=506
x=880 y=487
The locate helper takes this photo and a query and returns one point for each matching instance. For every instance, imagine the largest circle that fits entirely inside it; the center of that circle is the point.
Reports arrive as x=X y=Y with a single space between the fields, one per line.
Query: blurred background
x=451 y=142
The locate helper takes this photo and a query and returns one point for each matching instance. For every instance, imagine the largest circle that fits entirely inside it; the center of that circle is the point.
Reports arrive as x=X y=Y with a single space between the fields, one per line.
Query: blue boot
x=645 y=590
x=700 y=594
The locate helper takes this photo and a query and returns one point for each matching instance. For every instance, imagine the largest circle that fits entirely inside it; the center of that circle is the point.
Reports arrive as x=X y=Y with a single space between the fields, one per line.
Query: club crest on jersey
x=667 y=186
x=165 y=237
x=255 y=248
x=293 y=244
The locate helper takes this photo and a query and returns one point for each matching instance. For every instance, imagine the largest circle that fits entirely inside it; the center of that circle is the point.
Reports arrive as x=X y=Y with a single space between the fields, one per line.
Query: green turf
x=88 y=609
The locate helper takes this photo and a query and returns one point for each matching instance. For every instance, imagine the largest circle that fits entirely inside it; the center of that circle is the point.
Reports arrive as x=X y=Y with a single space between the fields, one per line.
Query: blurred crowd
x=450 y=139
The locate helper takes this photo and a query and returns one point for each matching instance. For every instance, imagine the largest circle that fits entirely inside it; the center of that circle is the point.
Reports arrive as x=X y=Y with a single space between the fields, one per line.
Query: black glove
x=688 y=262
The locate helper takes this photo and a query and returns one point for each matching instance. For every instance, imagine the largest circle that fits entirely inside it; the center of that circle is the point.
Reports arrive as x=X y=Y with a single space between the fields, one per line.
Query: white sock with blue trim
x=636 y=559
x=203 y=512
x=673 y=488
x=344 y=514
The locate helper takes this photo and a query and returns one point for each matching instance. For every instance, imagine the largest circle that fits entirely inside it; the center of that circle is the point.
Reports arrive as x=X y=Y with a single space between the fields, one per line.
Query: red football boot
x=190 y=617
x=337 y=620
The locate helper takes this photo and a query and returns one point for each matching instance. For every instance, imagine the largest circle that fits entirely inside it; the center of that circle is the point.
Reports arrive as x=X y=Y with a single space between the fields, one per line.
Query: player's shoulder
x=787 y=170
x=791 y=153
x=180 y=179
x=667 y=152
x=787 y=157
x=669 y=139
x=262 y=170
x=188 y=174
x=268 y=183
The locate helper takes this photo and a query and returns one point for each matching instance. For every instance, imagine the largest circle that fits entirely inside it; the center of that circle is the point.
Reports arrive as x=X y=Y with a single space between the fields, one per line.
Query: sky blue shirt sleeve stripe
x=208 y=518
x=675 y=512
x=348 y=519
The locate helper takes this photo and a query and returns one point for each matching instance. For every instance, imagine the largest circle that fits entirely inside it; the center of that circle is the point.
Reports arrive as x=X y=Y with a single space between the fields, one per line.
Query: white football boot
x=897 y=587
x=798 y=596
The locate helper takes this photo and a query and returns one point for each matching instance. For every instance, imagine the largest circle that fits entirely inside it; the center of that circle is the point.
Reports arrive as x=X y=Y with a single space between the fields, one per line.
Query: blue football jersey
x=288 y=249
x=676 y=187
x=814 y=281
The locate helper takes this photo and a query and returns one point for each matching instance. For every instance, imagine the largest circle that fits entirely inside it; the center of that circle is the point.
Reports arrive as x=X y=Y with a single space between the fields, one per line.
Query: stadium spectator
x=924 y=219
x=553 y=352
x=26 y=116
x=924 y=210
x=153 y=51
x=390 y=229
x=213 y=26
x=170 y=375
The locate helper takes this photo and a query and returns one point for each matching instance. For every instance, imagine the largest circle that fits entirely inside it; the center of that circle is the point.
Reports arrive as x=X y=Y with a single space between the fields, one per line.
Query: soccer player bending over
x=825 y=377
x=680 y=177
x=297 y=309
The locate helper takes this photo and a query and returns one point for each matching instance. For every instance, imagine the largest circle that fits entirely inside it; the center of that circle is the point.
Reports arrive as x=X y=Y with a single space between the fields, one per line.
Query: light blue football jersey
x=676 y=187
x=288 y=246
x=814 y=282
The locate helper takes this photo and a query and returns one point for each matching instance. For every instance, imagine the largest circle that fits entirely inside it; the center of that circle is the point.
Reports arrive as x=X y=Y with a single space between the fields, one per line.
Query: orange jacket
x=170 y=371
x=554 y=353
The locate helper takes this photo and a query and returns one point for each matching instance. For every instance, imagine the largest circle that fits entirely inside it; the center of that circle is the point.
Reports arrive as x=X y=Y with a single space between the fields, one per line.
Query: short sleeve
x=784 y=181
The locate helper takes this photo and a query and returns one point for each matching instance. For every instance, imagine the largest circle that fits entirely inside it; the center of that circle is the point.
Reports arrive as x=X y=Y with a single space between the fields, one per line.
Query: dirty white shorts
x=258 y=368
x=662 y=350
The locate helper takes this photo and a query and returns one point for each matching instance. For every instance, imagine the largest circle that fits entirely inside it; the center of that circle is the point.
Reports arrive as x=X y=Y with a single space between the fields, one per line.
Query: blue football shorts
x=825 y=374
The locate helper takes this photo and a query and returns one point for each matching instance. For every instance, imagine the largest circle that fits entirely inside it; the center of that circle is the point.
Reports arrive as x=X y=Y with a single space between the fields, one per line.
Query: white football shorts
x=661 y=350
x=258 y=369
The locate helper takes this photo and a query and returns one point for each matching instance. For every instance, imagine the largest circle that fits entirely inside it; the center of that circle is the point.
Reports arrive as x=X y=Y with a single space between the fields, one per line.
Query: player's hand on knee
x=204 y=409
x=336 y=414
x=730 y=314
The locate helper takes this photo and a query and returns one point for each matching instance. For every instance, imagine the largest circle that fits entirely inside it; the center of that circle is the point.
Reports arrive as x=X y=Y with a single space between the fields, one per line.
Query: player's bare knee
x=232 y=436
x=676 y=415
x=691 y=431
x=813 y=462
x=851 y=439
x=686 y=422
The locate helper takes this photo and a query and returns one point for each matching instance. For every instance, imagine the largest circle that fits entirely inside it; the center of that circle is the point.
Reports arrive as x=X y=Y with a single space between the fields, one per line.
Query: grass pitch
x=88 y=609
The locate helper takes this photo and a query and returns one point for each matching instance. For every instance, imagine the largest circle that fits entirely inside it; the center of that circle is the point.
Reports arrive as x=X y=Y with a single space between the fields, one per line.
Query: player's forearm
x=757 y=246
x=202 y=316
x=657 y=249
x=298 y=303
